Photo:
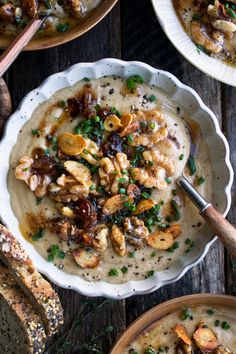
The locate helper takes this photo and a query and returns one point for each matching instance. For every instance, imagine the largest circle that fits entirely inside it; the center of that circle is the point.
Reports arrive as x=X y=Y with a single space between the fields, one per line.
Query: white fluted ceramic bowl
x=172 y=27
x=188 y=99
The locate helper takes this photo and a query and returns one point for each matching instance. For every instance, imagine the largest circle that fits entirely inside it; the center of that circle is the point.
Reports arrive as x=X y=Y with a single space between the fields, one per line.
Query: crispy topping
x=71 y=144
x=85 y=259
x=100 y=176
x=161 y=240
x=118 y=240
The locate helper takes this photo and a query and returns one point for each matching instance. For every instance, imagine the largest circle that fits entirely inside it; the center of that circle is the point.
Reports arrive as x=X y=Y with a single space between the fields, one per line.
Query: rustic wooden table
x=131 y=32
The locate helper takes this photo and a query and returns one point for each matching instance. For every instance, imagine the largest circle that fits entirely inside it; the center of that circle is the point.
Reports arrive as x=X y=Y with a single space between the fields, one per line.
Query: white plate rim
x=182 y=42
x=60 y=278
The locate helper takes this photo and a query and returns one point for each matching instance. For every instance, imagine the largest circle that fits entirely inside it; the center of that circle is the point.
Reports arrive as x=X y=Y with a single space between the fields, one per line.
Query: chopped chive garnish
x=217 y=323
x=181 y=157
x=133 y=208
x=62 y=27
x=187 y=241
x=150 y=273
x=175 y=214
x=124 y=269
x=132 y=82
x=210 y=312
x=124 y=172
x=192 y=165
x=50 y=257
x=186 y=314
x=38 y=235
x=149 y=350
x=153 y=254
x=122 y=190
x=152 y=98
x=143 y=124
x=231 y=12
x=54 y=251
x=225 y=325
x=47 y=152
x=39 y=200
x=200 y=180
x=35 y=132
x=150 y=221
x=61 y=255
x=86 y=79
x=113 y=272
x=152 y=126
x=132 y=254
x=145 y=195
x=174 y=247
x=92 y=187
x=47 y=4
x=115 y=111
x=130 y=138
x=168 y=180
x=122 y=180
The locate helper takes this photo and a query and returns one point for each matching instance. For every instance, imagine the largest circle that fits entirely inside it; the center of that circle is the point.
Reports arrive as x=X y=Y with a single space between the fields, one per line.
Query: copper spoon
x=21 y=41
x=221 y=227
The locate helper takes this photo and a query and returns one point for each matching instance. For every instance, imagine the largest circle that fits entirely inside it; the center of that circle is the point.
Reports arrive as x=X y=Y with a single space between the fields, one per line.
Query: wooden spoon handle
x=222 y=228
x=11 y=53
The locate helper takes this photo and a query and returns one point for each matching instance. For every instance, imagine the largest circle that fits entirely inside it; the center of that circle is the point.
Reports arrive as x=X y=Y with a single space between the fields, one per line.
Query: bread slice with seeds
x=39 y=291
x=21 y=329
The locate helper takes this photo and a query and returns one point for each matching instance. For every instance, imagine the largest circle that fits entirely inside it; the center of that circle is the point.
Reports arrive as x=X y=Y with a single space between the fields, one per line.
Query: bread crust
x=39 y=291
x=18 y=319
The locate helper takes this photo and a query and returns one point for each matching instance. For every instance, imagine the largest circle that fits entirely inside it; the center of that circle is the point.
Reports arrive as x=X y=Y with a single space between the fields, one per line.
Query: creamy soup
x=92 y=180
x=62 y=14
x=208 y=329
x=211 y=25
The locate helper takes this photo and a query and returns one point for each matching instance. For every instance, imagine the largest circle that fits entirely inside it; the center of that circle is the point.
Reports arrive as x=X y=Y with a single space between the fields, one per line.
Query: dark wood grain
x=134 y=34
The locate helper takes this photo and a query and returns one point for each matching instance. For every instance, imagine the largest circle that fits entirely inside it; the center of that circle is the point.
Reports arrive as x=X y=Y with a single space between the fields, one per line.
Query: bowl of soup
x=203 y=32
x=66 y=20
x=197 y=323
x=89 y=163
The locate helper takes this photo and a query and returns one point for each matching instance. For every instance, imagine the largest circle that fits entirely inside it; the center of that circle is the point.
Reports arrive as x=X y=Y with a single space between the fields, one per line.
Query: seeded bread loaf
x=38 y=290
x=21 y=329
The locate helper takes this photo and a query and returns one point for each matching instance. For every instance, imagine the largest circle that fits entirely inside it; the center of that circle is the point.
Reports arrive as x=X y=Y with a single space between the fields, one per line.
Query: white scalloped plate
x=188 y=99
x=172 y=27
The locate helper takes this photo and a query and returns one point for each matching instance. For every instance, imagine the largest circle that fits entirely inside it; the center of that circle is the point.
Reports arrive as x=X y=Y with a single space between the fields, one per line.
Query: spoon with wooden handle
x=21 y=41
x=221 y=227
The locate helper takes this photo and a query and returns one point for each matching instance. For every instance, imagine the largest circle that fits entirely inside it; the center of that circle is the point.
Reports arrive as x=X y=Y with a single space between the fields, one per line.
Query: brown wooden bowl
x=159 y=311
x=83 y=26
x=5 y=104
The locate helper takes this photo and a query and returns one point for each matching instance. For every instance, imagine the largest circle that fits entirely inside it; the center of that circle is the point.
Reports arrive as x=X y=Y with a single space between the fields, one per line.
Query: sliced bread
x=34 y=286
x=21 y=329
